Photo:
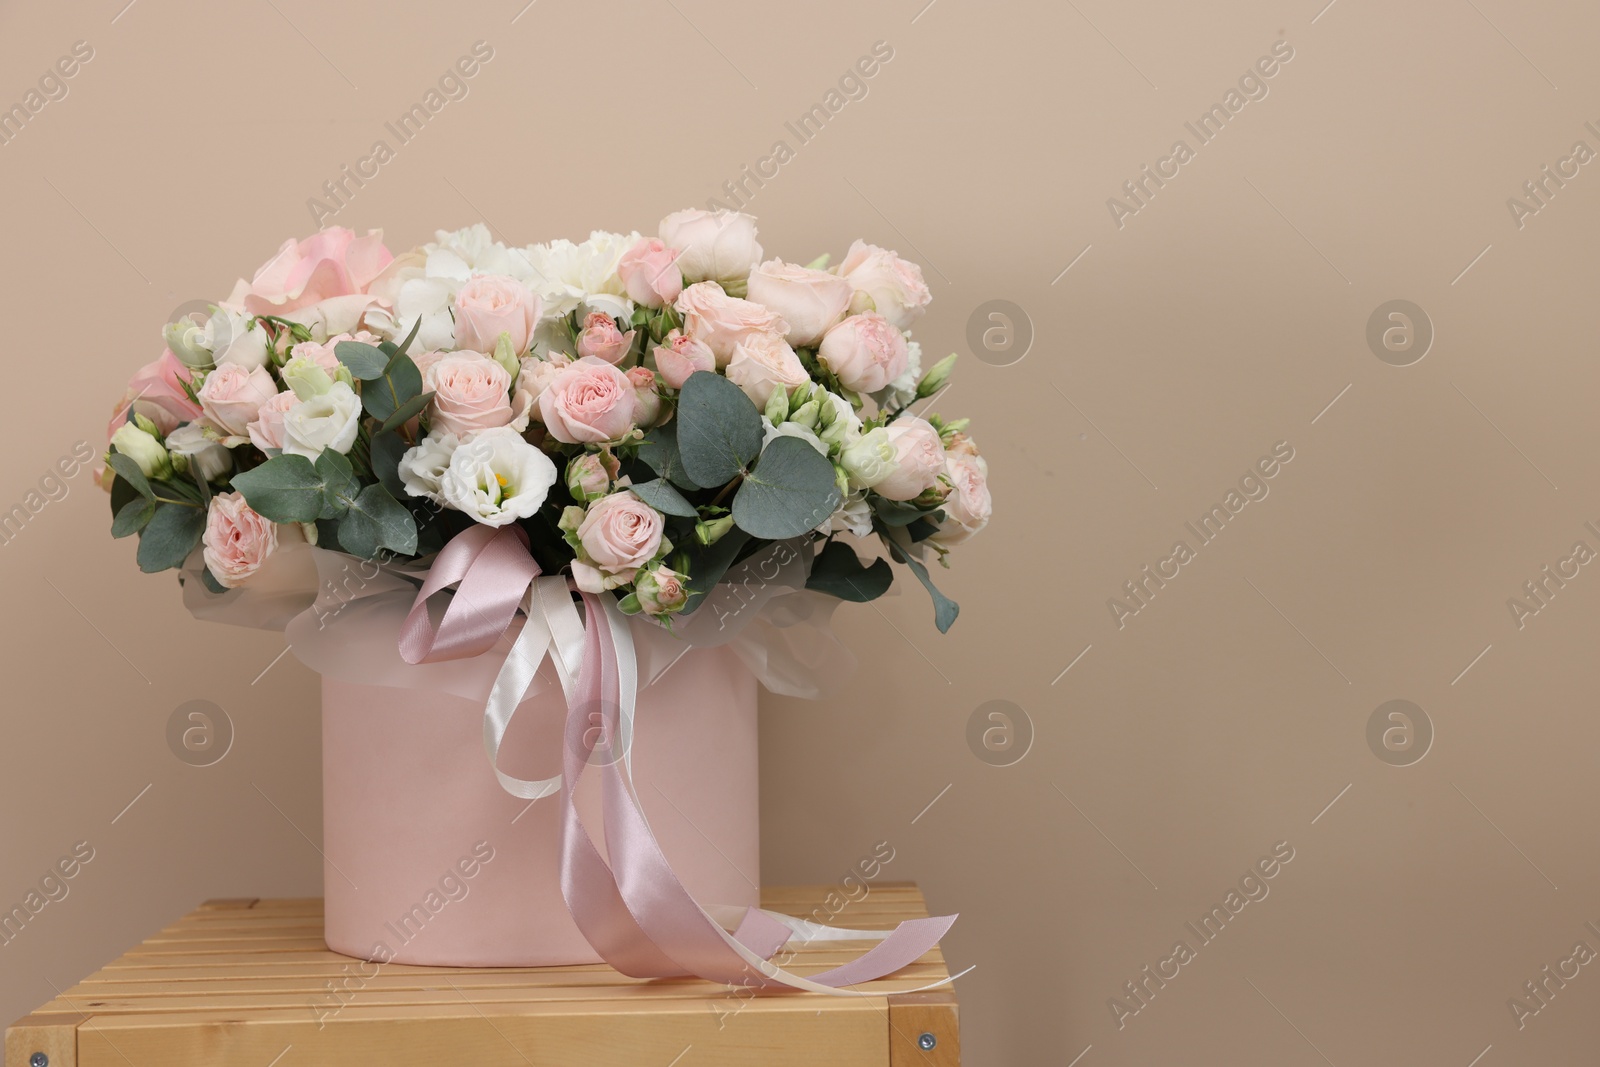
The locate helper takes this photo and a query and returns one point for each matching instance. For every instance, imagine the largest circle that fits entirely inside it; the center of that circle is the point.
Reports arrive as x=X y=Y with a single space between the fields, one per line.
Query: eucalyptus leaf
x=405 y=412
x=719 y=429
x=285 y=488
x=387 y=450
x=122 y=492
x=129 y=472
x=377 y=522
x=365 y=361
x=659 y=451
x=132 y=517
x=838 y=572
x=790 y=491
x=339 y=483
x=388 y=392
x=896 y=512
x=707 y=567
x=660 y=495
x=170 y=535
x=945 y=610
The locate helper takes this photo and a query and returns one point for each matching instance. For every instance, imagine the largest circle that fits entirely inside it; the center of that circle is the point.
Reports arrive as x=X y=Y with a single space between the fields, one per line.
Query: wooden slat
x=244 y=979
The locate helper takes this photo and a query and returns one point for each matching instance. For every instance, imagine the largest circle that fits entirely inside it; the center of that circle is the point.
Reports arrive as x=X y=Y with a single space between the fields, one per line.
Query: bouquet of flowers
x=648 y=411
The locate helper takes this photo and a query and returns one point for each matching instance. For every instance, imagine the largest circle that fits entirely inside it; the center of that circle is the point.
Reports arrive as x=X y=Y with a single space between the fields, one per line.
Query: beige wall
x=1220 y=319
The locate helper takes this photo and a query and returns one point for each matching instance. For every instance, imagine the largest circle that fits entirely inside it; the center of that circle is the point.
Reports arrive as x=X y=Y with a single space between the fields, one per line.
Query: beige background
x=1224 y=317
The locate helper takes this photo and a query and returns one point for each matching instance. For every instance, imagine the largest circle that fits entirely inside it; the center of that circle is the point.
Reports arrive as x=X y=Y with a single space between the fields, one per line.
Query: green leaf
x=945 y=610
x=129 y=472
x=405 y=412
x=121 y=493
x=838 y=572
x=340 y=485
x=170 y=536
x=132 y=517
x=388 y=392
x=896 y=512
x=707 y=567
x=285 y=488
x=365 y=361
x=659 y=451
x=790 y=492
x=387 y=449
x=719 y=429
x=660 y=495
x=377 y=521
x=209 y=580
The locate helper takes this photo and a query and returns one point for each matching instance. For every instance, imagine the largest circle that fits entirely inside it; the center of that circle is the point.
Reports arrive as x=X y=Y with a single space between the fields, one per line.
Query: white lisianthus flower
x=327 y=420
x=422 y=467
x=854 y=516
x=771 y=433
x=570 y=277
x=869 y=459
x=903 y=390
x=496 y=477
x=203 y=452
x=841 y=426
x=142 y=447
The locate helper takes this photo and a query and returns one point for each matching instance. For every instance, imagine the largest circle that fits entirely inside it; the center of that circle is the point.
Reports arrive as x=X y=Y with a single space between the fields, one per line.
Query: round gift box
x=429 y=861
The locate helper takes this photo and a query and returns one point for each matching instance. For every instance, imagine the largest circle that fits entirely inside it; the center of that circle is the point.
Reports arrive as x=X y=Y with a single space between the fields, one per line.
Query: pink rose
x=325 y=353
x=919 y=459
x=647 y=402
x=588 y=401
x=894 y=284
x=237 y=541
x=763 y=362
x=866 y=352
x=679 y=356
x=156 y=392
x=601 y=338
x=716 y=246
x=620 y=533
x=231 y=396
x=721 y=321
x=330 y=263
x=809 y=301
x=470 y=392
x=968 y=507
x=649 y=271
x=490 y=305
x=266 y=431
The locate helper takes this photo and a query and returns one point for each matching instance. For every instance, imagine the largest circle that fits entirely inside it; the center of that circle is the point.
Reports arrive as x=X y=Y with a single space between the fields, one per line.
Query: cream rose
x=266 y=430
x=534 y=377
x=329 y=420
x=866 y=352
x=232 y=394
x=490 y=305
x=968 y=507
x=918 y=462
x=715 y=246
x=620 y=533
x=763 y=362
x=809 y=301
x=587 y=402
x=721 y=321
x=497 y=478
x=894 y=285
x=470 y=393
x=237 y=541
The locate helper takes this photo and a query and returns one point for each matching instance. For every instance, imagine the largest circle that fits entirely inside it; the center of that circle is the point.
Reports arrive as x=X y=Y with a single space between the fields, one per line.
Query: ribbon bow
x=634 y=911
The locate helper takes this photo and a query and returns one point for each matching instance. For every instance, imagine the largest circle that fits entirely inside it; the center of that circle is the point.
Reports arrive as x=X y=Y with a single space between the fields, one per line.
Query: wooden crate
x=250 y=982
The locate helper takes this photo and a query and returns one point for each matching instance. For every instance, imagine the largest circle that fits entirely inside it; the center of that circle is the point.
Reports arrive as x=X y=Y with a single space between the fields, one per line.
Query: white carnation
x=569 y=277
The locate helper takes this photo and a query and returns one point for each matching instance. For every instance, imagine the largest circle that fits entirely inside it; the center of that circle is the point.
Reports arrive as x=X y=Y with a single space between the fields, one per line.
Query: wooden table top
x=251 y=982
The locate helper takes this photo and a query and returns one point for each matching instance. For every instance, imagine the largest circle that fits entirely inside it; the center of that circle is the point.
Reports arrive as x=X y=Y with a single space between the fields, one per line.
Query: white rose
x=894 y=285
x=329 y=420
x=763 y=362
x=205 y=454
x=497 y=477
x=234 y=338
x=809 y=301
x=422 y=467
x=715 y=246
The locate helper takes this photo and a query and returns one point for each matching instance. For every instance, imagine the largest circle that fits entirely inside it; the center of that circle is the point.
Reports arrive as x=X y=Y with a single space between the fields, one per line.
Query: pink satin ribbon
x=494 y=569
x=633 y=911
